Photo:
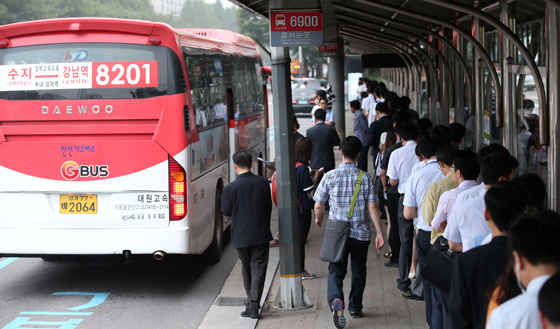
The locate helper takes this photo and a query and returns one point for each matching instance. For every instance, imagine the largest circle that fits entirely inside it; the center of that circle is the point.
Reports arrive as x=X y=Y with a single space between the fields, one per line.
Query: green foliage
x=199 y=14
x=196 y=13
x=253 y=26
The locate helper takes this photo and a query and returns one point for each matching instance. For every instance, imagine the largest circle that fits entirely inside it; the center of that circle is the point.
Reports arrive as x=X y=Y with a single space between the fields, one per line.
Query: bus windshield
x=89 y=71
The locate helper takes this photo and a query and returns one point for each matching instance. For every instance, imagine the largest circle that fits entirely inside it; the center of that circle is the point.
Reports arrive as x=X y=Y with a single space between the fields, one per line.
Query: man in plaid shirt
x=337 y=187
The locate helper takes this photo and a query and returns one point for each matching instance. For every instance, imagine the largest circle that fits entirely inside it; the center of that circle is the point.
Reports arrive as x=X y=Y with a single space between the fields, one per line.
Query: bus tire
x=214 y=252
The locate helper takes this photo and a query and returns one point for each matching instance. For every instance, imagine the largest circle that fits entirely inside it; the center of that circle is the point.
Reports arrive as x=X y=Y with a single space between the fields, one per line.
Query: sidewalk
x=384 y=307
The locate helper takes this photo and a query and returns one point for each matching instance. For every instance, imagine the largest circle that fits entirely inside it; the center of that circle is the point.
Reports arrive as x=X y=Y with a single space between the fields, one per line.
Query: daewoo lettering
x=81 y=109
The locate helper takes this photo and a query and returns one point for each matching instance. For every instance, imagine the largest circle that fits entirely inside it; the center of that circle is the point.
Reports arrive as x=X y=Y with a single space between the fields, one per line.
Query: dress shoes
x=253 y=314
x=391 y=264
x=410 y=295
x=403 y=288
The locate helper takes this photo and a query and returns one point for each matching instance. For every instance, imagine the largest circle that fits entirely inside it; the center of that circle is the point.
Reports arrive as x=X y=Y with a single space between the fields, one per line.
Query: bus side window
x=199 y=88
x=238 y=88
x=216 y=91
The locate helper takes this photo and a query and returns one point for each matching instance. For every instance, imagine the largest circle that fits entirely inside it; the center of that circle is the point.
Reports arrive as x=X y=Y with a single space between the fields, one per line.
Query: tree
x=253 y=26
x=196 y=13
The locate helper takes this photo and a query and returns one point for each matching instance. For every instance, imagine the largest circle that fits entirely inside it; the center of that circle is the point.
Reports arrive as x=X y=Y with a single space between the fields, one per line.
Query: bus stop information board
x=330 y=50
x=290 y=28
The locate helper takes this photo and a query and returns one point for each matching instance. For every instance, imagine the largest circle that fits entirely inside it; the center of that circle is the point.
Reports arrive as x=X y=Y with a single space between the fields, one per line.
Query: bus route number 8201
x=125 y=74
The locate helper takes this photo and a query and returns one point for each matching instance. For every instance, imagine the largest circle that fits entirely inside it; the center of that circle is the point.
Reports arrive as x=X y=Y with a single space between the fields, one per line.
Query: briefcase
x=334 y=242
x=438 y=267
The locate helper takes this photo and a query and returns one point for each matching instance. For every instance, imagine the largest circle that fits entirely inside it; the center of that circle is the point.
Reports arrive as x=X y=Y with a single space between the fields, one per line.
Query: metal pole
x=336 y=80
x=291 y=293
x=510 y=113
x=553 y=56
x=478 y=34
x=459 y=83
x=300 y=62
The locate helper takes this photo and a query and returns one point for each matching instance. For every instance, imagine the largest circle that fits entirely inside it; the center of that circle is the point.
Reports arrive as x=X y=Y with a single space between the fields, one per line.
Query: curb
x=227 y=317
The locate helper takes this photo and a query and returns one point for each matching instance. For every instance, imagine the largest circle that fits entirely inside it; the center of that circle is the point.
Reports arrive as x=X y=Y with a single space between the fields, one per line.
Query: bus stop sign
x=289 y=28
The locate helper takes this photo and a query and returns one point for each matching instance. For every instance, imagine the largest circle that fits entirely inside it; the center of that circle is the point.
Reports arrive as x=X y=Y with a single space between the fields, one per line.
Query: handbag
x=438 y=267
x=337 y=231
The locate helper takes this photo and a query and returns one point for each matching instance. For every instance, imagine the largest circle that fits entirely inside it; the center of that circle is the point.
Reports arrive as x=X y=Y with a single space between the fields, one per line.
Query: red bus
x=116 y=135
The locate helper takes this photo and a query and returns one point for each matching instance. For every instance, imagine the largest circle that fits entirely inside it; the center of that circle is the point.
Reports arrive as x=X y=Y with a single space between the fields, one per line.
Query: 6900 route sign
x=289 y=28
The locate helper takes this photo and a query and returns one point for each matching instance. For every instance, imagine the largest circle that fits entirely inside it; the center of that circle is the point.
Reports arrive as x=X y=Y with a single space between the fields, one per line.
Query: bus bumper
x=37 y=242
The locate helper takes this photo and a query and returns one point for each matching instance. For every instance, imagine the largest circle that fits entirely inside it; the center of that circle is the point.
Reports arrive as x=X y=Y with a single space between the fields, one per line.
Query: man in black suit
x=324 y=138
x=377 y=127
x=248 y=201
x=478 y=269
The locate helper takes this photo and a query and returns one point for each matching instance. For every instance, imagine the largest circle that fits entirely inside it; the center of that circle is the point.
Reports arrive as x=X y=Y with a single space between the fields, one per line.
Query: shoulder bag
x=438 y=267
x=337 y=231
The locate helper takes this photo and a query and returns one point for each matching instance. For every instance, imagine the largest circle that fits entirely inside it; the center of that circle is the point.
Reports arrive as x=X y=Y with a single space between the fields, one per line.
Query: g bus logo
x=70 y=170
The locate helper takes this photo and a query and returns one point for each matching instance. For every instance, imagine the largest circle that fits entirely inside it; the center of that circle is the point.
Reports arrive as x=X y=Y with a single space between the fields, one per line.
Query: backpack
x=274 y=187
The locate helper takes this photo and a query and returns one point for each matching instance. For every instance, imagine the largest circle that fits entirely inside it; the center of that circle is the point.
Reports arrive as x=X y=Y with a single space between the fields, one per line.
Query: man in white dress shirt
x=418 y=184
x=533 y=239
x=399 y=168
x=465 y=171
x=466 y=221
x=368 y=104
x=548 y=303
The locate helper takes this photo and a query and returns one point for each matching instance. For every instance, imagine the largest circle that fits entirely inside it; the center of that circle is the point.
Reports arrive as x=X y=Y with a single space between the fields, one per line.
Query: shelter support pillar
x=509 y=128
x=553 y=56
x=336 y=80
x=291 y=294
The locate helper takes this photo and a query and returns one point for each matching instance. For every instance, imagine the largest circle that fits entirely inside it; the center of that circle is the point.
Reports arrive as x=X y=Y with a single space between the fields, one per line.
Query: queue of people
x=432 y=192
x=493 y=228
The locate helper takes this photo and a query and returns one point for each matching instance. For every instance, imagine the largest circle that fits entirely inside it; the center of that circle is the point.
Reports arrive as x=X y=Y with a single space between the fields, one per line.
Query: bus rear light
x=179 y=210
x=155 y=41
x=177 y=190
x=4 y=44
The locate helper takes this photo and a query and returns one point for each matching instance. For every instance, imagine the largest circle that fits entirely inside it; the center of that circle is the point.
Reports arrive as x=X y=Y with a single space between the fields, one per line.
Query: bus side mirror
x=186 y=116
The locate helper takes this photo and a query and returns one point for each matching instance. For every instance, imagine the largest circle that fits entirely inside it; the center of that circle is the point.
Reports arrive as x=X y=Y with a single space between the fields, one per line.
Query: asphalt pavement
x=105 y=292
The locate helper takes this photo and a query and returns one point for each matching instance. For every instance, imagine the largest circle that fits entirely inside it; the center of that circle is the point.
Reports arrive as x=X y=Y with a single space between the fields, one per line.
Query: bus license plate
x=78 y=204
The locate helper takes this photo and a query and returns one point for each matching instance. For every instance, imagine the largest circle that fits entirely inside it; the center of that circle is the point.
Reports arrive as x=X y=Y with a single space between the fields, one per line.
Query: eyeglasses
x=452 y=167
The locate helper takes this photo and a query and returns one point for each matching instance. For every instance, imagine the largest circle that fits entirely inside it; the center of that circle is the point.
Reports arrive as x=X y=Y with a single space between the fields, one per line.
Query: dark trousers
x=394 y=239
x=422 y=247
x=254 y=261
x=304 y=222
x=362 y=160
x=438 y=321
x=358 y=251
x=445 y=309
x=406 y=235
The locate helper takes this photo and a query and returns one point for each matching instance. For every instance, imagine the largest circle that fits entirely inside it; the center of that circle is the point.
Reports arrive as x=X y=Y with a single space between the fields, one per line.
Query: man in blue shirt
x=323 y=103
x=362 y=132
x=337 y=187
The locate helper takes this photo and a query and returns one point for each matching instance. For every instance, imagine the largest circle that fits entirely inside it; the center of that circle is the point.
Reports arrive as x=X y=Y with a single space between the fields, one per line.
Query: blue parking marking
x=56 y=313
x=98 y=298
x=7 y=262
x=18 y=322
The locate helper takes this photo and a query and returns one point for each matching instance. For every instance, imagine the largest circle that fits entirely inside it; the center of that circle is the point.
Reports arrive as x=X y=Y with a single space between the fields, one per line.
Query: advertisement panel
x=85 y=75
